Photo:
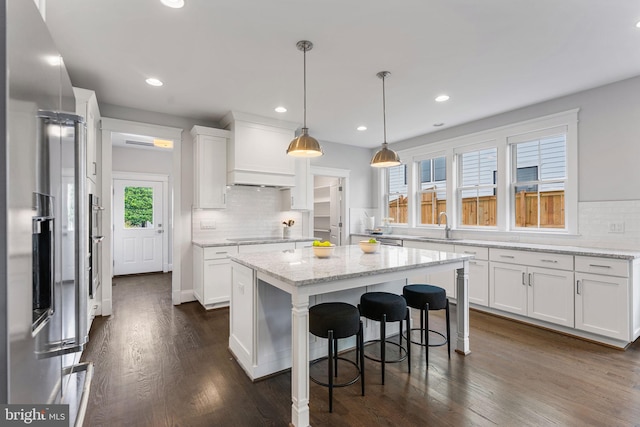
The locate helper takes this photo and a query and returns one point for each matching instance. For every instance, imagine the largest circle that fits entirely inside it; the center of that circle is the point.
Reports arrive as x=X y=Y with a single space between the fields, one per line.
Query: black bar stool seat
x=333 y=321
x=425 y=297
x=386 y=307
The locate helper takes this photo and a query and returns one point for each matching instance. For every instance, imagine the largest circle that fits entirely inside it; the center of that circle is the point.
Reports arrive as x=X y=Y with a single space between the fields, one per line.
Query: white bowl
x=323 y=251
x=369 y=248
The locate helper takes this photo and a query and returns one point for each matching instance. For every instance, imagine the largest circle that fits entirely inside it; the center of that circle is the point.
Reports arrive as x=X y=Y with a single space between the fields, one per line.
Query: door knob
x=160 y=231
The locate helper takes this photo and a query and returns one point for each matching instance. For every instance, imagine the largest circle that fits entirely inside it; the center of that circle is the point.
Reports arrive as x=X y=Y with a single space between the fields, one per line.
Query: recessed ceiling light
x=281 y=110
x=638 y=24
x=54 y=60
x=438 y=124
x=154 y=82
x=442 y=98
x=176 y=4
x=361 y=128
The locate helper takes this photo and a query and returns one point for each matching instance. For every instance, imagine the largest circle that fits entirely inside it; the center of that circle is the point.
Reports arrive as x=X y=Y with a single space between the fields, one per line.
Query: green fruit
x=326 y=244
x=373 y=241
x=316 y=243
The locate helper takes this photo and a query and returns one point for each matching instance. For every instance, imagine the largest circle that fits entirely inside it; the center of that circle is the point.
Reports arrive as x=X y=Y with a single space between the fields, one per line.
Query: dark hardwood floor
x=162 y=365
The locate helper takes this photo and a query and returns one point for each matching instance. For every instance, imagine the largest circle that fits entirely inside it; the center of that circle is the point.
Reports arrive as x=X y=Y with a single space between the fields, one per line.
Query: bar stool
x=425 y=298
x=333 y=321
x=386 y=307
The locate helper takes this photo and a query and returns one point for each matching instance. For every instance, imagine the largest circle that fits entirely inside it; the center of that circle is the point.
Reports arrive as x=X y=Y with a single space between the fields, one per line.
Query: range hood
x=256 y=154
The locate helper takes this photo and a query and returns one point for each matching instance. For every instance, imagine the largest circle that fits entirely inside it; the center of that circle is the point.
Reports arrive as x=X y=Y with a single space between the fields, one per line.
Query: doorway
x=139 y=244
x=330 y=204
x=117 y=132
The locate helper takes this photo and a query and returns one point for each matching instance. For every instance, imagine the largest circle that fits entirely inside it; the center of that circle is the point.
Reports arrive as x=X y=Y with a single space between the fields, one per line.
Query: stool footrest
x=345 y=384
x=440 y=344
x=400 y=359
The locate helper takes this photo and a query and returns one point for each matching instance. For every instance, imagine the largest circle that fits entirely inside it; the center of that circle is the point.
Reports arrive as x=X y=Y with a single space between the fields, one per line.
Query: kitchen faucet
x=447 y=229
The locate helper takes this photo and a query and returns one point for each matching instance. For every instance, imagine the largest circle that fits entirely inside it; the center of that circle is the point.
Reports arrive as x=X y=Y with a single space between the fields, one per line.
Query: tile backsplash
x=250 y=212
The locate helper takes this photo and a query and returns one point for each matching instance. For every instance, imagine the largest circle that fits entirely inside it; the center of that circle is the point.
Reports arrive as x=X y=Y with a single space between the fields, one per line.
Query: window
x=432 y=189
x=397 y=202
x=477 y=190
x=138 y=207
x=538 y=182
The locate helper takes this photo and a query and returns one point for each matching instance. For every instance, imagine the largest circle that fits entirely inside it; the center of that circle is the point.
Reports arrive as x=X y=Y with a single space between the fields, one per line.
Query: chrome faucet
x=447 y=229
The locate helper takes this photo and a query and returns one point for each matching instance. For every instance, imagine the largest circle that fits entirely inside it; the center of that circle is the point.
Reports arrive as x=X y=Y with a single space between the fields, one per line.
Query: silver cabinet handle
x=507 y=256
x=550 y=260
x=599 y=266
x=469 y=252
x=530 y=280
x=523 y=284
x=578 y=291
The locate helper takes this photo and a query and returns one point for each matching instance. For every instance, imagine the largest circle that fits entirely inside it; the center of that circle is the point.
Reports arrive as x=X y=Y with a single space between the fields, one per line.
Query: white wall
x=127 y=159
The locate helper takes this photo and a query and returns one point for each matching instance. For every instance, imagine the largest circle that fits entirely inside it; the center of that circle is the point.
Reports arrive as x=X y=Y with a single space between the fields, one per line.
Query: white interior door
x=335 y=225
x=138 y=226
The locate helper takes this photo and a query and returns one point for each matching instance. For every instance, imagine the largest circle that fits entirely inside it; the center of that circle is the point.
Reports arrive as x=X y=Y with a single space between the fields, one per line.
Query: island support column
x=462 y=345
x=300 y=360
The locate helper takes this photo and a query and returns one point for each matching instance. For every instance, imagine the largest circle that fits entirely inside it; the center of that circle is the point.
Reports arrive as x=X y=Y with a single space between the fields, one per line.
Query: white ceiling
x=215 y=56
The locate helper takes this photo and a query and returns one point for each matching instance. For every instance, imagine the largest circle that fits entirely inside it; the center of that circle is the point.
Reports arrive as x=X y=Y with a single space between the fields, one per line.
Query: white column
x=462 y=345
x=300 y=360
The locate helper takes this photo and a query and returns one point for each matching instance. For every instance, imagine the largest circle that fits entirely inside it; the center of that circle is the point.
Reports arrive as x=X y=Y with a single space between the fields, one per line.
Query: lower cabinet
x=602 y=300
x=541 y=293
x=212 y=275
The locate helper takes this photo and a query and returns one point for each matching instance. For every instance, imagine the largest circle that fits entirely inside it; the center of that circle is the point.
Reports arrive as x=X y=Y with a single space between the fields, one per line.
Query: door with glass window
x=138 y=226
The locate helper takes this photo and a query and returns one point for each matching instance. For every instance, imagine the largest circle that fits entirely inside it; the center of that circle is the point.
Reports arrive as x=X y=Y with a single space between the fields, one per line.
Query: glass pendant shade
x=304 y=146
x=385 y=157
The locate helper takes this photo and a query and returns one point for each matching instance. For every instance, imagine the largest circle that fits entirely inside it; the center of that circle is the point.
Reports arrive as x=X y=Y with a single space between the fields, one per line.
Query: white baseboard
x=187 y=296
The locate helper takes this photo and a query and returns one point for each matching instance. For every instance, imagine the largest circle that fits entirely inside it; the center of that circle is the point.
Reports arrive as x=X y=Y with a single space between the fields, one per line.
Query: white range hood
x=257 y=154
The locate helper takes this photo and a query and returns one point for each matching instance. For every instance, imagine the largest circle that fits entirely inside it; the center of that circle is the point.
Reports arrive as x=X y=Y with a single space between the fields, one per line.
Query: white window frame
x=415 y=197
x=387 y=193
x=499 y=137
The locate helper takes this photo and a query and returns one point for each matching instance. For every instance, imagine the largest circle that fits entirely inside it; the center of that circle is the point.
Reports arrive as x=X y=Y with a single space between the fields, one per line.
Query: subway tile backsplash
x=250 y=212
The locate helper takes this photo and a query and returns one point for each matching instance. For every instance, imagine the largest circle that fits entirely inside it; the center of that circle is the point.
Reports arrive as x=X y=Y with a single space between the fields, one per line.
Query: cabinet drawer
x=220 y=252
x=536 y=259
x=480 y=253
x=609 y=267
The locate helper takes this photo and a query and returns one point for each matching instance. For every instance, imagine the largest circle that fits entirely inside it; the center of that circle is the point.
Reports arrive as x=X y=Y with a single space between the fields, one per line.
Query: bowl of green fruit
x=369 y=246
x=323 y=249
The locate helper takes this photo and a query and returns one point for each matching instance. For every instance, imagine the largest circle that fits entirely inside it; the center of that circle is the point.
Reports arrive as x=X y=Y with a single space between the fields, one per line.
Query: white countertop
x=569 y=250
x=248 y=241
x=300 y=267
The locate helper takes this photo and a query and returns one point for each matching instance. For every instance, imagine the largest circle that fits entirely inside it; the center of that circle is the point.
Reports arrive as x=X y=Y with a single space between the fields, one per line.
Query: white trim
x=164 y=180
x=496 y=137
x=108 y=126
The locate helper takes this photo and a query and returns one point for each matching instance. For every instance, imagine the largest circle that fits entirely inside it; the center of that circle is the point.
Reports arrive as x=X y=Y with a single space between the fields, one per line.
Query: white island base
x=271 y=294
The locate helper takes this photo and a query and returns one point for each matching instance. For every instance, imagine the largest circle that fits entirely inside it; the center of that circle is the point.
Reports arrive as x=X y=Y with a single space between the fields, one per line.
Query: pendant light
x=304 y=145
x=385 y=156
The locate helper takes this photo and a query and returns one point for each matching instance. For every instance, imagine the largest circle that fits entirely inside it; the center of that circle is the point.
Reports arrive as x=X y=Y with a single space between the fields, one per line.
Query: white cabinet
x=478 y=273
x=87 y=107
x=537 y=285
x=257 y=154
x=300 y=197
x=602 y=297
x=210 y=167
x=444 y=279
x=212 y=275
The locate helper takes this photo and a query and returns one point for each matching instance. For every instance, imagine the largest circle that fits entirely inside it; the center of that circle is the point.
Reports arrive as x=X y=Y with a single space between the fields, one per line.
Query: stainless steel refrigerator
x=43 y=220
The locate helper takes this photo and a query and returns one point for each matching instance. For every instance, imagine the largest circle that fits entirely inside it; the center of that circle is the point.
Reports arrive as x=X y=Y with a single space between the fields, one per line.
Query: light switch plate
x=616 y=227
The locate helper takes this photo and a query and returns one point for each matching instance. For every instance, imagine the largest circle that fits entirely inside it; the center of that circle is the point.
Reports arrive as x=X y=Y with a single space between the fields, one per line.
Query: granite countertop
x=558 y=249
x=301 y=267
x=247 y=241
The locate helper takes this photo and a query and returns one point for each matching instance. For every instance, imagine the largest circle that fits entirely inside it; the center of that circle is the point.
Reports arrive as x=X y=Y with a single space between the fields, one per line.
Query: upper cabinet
x=257 y=152
x=300 y=197
x=210 y=167
x=87 y=107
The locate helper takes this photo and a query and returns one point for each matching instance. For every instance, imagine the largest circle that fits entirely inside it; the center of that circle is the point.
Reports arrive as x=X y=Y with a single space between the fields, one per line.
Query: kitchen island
x=266 y=287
